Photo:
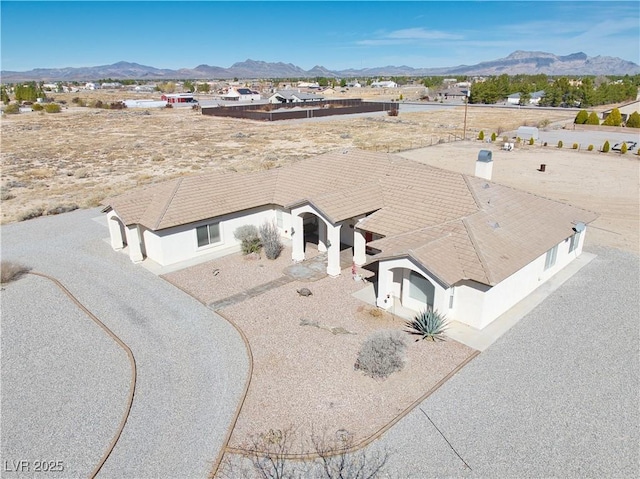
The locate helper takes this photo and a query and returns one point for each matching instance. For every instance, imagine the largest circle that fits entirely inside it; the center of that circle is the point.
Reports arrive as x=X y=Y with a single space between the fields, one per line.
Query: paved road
x=557 y=396
x=191 y=364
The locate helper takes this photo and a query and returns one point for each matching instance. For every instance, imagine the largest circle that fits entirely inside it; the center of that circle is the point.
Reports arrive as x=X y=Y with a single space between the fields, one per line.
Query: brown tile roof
x=457 y=226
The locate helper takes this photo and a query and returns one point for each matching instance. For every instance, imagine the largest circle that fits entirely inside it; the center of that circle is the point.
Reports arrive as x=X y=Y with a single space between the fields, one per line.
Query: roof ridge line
x=474 y=243
x=473 y=193
x=166 y=206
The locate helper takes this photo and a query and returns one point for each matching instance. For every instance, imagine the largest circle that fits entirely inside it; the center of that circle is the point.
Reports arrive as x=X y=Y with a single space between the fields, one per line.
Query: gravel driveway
x=191 y=364
x=557 y=396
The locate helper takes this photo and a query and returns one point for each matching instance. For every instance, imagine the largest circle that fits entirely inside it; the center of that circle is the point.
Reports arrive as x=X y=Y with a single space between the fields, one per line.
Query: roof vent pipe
x=484 y=165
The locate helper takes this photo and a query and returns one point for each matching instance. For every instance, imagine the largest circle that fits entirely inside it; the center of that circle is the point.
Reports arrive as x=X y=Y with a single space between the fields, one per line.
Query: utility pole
x=466 y=103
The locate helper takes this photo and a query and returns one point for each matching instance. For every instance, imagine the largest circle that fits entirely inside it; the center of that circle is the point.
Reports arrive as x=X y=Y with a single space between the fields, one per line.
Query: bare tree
x=270 y=456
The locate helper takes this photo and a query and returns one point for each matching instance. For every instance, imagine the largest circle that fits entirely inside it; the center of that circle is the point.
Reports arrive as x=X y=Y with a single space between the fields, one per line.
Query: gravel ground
x=65 y=382
x=557 y=396
x=191 y=364
x=304 y=376
x=236 y=273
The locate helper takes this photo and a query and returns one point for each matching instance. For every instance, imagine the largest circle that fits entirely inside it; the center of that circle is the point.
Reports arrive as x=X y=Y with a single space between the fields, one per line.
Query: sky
x=335 y=34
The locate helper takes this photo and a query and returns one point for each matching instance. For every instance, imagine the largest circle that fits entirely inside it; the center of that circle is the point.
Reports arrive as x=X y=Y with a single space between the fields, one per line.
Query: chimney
x=484 y=165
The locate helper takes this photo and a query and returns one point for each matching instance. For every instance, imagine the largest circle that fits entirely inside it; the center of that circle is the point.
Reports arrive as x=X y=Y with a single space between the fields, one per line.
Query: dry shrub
x=11 y=271
x=30 y=214
x=81 y=173
x=270 y=238
x=376 y=313
x=57 y=210
x=5 y=195
x=39 y=173
x=381 y=354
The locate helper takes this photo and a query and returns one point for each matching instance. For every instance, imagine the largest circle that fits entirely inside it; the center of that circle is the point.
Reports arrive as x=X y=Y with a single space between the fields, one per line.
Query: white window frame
x=208 y=226
x=550 y=259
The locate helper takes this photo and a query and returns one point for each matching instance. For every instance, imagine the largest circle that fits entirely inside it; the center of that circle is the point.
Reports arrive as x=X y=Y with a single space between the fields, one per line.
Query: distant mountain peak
x=518 y=62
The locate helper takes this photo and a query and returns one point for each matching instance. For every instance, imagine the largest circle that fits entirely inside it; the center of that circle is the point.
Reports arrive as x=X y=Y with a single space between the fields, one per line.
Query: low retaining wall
x=291 y=111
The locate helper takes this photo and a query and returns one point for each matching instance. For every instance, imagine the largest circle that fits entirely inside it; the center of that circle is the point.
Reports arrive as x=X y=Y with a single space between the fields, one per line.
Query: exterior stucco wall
x=180 y=243
x=478 y=305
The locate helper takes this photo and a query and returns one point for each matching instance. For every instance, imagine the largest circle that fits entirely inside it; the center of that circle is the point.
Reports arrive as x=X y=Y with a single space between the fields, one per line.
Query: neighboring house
x=461 y=244
x=178 y=98
x=534 y=99
x=108 y=85
x=294 y=96
x=310 y=85
x=241 y=94
x=327 y=91
x=384 y=84
x=141 y=103
x=452 y=93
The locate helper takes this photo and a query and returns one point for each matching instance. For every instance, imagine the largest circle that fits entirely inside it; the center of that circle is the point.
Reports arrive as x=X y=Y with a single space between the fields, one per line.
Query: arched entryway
x=307 y=223
x=403 y=287
x=117 y=233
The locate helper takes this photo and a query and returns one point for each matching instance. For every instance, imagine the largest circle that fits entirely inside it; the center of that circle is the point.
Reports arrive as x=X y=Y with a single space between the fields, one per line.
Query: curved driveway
x=191 y=364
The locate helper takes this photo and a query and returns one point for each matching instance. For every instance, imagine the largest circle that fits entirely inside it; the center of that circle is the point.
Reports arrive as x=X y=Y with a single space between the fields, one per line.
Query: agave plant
x=429 y=324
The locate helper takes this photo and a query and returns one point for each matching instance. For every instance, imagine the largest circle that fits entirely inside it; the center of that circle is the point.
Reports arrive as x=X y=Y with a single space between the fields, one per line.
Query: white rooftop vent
x=484 y=164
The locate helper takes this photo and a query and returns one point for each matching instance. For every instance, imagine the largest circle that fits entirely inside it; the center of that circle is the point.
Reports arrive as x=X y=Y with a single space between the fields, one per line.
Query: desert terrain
x=82 y=155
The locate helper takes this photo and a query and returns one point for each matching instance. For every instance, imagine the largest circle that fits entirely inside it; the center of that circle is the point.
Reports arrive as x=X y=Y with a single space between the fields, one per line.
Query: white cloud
x=422 y=34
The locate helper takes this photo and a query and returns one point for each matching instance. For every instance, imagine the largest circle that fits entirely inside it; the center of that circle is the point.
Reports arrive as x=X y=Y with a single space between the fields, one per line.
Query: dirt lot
x=82 y=155
x=605 y=183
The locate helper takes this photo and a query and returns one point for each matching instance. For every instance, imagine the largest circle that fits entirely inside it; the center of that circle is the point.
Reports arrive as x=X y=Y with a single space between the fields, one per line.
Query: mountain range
x=519 y=62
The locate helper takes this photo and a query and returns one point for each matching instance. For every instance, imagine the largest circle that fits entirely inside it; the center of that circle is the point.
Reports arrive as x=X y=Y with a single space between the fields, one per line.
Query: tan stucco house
x=461 y=244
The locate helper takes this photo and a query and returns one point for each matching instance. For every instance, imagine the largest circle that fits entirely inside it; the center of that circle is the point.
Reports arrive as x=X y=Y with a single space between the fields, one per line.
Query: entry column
x=333 y=255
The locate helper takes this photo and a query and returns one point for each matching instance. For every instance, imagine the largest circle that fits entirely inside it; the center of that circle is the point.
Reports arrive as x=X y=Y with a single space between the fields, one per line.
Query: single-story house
x=463 y=245
x=178 y=98
x=384 y=84
x=452 y=93
x=534 y=98
x=142 y=103
x=294 y=96
x=241 y=94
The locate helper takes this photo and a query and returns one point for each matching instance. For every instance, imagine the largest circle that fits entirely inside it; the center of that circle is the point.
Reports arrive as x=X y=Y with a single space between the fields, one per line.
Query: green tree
x=481 y=135
x=28 y=92
x=593 y=119
x=432 y=82
x=613 y=119
x=204 y=88
x=188 y=86
x=606 y=147
x=634 y=120
x=343 y=82
x=525 y=95
x=623 y=149
x=4 y=96
x=12 y=109
x=581 y=117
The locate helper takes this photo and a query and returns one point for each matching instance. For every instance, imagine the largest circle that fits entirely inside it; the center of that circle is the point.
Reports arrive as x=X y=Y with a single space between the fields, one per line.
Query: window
x=208 y=234
x=550 y=260
x=575 y=241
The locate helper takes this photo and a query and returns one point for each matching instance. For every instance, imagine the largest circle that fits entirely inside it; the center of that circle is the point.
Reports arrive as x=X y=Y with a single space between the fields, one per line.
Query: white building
x=461 y=244
x=241 y=94
x=384 y=84
x=294 y=96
